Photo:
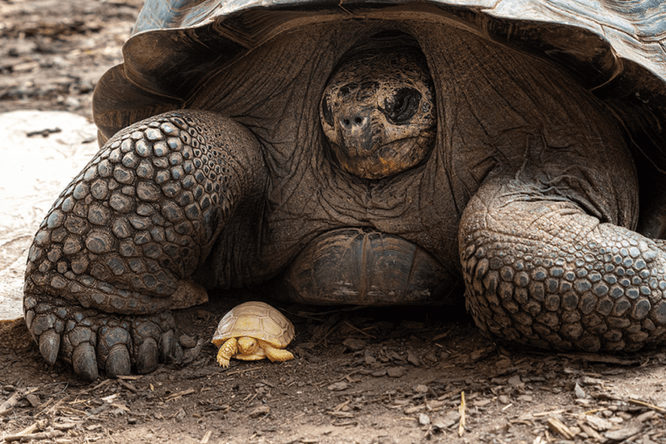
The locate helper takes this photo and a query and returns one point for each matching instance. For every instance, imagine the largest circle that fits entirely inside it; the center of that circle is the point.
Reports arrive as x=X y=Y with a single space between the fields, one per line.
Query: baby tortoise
x=252 y=331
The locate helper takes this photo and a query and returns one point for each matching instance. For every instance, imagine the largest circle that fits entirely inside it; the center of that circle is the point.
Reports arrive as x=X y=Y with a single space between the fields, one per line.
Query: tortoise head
x=378 y=111
x=247 y=345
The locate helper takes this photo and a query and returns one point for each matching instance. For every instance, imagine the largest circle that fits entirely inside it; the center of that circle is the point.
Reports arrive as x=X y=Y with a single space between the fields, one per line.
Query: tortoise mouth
x=365 y=267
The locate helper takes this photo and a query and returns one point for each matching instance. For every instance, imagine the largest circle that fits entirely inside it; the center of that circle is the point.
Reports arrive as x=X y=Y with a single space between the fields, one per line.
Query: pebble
x=424 y=419
x=33 y=400
x=421 y=388
x=395 y=372
x=354 y=344
x=515 y=381
x=413 y=359
x=504 y=399
x=260 y=411
x=338 y=386
x=580 y=393
x=379 y=373
x=525 y=398
x=187 y=341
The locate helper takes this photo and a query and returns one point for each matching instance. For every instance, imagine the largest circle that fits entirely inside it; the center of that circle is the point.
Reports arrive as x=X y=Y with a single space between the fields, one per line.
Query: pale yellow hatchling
x=251 y=331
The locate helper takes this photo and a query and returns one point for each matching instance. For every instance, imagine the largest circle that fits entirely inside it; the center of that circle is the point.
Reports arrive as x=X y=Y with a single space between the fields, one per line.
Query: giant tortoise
x=368 y=153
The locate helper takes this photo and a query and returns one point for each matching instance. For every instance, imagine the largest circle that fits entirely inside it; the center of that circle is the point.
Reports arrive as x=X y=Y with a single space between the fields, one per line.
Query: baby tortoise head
x=378 y=112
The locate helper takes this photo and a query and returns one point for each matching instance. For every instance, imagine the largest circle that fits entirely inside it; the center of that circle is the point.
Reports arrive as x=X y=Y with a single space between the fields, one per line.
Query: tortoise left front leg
x=540 y=271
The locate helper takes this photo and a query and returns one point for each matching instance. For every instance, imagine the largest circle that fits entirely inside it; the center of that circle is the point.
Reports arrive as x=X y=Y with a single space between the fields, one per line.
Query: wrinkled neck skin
x=497 y=111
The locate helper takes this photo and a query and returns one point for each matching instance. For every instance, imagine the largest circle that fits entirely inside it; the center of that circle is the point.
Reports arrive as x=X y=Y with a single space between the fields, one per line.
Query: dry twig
x=463 y=417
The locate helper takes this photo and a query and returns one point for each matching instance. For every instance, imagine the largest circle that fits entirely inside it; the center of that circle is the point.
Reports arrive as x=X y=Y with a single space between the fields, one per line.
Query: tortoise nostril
x=346 y=122
x=358 y=120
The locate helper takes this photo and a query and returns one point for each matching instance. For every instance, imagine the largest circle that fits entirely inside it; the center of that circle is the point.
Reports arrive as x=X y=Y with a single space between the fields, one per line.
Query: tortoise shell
x=257 y=320
x=612 y=48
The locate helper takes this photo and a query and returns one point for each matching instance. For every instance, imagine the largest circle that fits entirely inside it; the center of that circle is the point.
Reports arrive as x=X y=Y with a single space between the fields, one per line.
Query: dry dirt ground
x=405 y=375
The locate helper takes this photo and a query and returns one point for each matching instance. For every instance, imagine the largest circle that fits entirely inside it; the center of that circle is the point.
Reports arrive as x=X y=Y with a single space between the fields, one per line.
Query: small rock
x=368 y=359
x=72 y=103
x=260 y=411
x=33 y=400
x=354 y=344
x=580 y=393
x=431 y=357
x=413 y=359
x=451 y=418
x=525 y=398
x=421 y=388
x=504 y=399
x=395 y=372
x=424 y=419
x=379 y=373
x=338 y=386
x=187 y=341
x=515 y=381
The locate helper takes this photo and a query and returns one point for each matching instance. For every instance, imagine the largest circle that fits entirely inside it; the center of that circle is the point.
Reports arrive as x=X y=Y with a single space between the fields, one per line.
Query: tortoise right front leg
x=118 y=247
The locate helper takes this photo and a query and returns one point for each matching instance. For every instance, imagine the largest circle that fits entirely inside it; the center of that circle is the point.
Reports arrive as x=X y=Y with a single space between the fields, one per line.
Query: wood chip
x=128 y=386
x=625 y=433
x=206 y=437
x=590 y=431
x=179 y=394
x=35 y=436
x=342 y=414
x=557 y=426
x=463 y=418
x=599 y=424
x=647 y=404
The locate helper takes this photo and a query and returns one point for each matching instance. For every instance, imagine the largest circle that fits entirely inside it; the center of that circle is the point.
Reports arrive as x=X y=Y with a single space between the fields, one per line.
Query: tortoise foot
x=91 y=340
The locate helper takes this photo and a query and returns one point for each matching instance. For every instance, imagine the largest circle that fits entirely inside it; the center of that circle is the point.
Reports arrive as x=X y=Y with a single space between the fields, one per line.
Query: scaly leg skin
x=277 y=354
x=118 y=247
x=543 y=273
x=226 y=351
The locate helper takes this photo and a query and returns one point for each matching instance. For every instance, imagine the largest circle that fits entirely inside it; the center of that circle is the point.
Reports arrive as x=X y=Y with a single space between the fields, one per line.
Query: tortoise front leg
x=540 y=271
x=118 y=247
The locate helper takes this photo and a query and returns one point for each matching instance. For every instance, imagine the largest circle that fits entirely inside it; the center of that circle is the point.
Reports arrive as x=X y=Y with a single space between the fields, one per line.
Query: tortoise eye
x=326 y=112
x=403 y=105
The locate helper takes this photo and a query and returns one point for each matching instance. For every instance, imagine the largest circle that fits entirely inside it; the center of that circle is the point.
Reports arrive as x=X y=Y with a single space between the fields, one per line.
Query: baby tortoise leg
x=277 y=354
x=226 y=351
x=544 y=273
x=118 y=247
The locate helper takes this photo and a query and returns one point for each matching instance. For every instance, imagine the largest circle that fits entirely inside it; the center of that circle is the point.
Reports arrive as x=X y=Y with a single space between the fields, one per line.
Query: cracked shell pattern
x=562 y=280
x=257 y=320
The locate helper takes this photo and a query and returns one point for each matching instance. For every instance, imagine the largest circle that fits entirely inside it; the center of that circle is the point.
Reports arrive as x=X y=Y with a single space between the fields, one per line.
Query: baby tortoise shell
x=252 y=331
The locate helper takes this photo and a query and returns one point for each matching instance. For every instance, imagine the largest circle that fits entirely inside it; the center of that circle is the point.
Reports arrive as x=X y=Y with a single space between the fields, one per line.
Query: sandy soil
x=401 y=375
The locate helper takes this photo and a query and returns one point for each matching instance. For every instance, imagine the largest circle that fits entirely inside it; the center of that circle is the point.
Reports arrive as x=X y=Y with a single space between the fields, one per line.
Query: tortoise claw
x=49 y=345
x=167 y=347
x=84 y=361
x=147 y=356
x=118 y=361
